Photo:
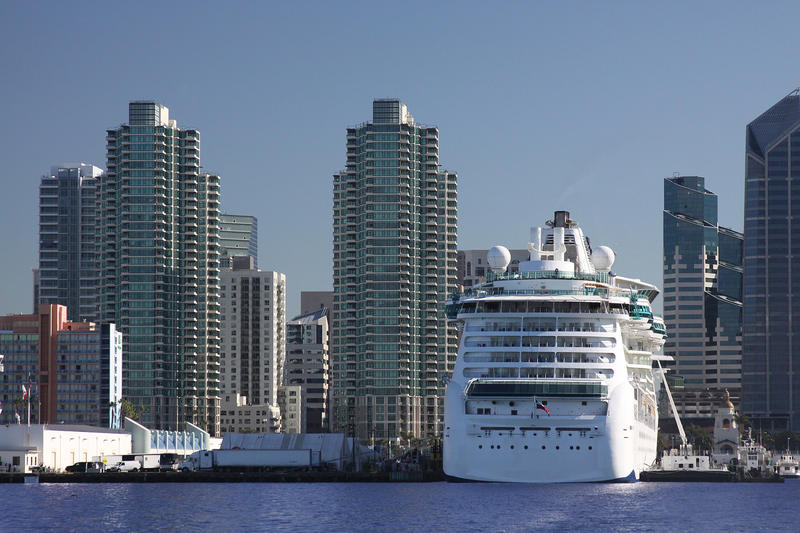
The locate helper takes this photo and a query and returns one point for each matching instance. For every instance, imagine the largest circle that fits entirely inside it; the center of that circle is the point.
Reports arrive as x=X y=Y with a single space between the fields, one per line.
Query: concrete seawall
x=224 y=477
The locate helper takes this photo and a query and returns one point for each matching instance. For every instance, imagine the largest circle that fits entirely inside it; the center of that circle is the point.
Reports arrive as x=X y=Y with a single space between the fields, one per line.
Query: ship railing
x=586 y=291
x=480 y=387
x=599 y=277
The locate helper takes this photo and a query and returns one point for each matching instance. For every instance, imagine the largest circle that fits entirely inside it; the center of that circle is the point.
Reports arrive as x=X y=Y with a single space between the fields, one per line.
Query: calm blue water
x=423 y=507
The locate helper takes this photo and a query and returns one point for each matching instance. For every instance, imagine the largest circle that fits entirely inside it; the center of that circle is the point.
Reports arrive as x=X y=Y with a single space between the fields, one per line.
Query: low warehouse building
x=57 y=446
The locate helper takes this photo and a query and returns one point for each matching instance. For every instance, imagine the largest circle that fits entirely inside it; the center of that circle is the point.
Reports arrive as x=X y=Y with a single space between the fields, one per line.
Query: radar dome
x=602 y=258
x=498 y=258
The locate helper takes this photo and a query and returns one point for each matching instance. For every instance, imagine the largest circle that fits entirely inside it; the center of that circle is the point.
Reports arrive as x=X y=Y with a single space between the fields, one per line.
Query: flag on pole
x=540 y=405
x=24 y=393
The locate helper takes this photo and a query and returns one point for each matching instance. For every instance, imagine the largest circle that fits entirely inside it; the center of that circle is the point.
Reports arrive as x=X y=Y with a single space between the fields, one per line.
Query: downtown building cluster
x=140 y=259
x=142 y=253
x=731 y=299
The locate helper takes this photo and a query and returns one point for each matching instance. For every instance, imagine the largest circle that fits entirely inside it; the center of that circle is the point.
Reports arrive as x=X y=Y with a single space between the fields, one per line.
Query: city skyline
x=508 y=103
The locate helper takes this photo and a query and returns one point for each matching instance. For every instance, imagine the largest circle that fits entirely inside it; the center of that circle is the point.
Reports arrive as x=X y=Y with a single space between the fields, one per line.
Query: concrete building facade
x=311 y=301
x=57 y=446
x=291 y=399
x=253 y=338
x=472 y=265
x=308 y=367
x=394 y=264
x=160 y=267
x=71 y=371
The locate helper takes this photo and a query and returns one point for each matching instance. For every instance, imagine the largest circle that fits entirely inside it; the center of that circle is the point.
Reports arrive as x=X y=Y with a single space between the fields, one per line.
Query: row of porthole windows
x=480 y=447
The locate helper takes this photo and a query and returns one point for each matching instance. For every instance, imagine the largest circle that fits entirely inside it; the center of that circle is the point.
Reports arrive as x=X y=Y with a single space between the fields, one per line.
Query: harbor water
x=399 y=507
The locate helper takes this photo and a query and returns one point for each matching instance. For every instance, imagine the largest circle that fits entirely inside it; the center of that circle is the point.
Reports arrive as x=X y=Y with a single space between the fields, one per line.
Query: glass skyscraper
x=238 y=236
x=394 y=264
x=771 y=350
x=702 y=292
x=68 y=249
x=159 y=227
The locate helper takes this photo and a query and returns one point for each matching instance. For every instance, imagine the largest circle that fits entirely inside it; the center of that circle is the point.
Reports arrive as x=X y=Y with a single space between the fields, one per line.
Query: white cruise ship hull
x=616 y=451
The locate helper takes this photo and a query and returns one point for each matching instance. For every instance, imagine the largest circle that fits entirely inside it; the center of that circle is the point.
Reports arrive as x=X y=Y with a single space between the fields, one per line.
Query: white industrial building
x=334 y=449
x=57 y=446
x=146 y=441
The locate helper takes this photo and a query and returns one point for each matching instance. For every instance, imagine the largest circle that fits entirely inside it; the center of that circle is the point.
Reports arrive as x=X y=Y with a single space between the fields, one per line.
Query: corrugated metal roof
x=332 y=446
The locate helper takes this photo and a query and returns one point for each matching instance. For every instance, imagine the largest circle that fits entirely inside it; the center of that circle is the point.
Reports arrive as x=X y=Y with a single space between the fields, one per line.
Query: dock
x=225 y=477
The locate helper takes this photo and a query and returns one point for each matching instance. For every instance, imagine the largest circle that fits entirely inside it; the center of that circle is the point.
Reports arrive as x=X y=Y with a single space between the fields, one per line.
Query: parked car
x=125 y=466
x=85 y=466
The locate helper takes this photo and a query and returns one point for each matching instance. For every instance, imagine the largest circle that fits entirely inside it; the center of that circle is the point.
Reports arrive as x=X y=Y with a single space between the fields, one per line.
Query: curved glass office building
x=702 y=295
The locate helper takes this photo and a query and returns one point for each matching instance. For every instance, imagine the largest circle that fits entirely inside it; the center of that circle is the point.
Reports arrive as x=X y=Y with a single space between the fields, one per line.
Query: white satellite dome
x=602 y=258
x=498 y=258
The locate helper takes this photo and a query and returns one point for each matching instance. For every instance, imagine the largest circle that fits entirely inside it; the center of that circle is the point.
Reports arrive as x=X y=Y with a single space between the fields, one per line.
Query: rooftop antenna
x=676 y=174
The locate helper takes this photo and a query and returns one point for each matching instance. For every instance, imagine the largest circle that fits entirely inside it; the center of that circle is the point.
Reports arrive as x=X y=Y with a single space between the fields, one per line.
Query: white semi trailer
x=255 y=460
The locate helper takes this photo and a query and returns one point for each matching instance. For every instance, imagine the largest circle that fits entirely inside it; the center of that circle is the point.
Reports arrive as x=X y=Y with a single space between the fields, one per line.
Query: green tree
x=130 y=410
x=742 y=422
x=699 y=437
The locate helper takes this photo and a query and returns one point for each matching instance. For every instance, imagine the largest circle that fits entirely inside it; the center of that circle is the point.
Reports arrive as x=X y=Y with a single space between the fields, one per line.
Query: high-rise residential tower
x=771 y=343
x=702 y=295
x=394 y=264
x=253 y=344
x=68 y=248
x=238 y=236
x=160 y=267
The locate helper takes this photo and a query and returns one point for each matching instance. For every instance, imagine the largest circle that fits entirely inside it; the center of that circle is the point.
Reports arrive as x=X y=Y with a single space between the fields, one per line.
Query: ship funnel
x=561 y=219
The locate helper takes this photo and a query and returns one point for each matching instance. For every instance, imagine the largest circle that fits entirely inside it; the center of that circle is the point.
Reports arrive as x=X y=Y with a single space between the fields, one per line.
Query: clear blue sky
x=584 y=106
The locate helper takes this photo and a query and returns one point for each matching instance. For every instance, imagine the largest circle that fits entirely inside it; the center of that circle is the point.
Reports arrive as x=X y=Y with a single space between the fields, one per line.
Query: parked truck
x=251 y=460
x=148 y=462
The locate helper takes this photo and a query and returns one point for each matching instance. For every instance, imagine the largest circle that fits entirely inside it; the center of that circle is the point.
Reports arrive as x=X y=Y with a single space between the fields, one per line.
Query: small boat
x=683 y=464
x=787 y=466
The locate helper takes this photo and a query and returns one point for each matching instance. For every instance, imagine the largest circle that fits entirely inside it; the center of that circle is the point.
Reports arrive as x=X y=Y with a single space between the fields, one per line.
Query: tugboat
x=683 y=464
x=787 y=466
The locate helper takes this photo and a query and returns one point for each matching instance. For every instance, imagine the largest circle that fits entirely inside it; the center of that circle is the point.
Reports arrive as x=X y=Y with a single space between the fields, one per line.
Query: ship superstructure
x=554 y=380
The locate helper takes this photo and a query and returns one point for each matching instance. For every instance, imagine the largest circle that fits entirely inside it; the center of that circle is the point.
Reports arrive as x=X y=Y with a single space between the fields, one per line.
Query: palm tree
x=742 y=421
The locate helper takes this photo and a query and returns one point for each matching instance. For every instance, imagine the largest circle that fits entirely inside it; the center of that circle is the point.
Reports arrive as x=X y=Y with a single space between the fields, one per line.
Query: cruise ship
x=554 y=378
